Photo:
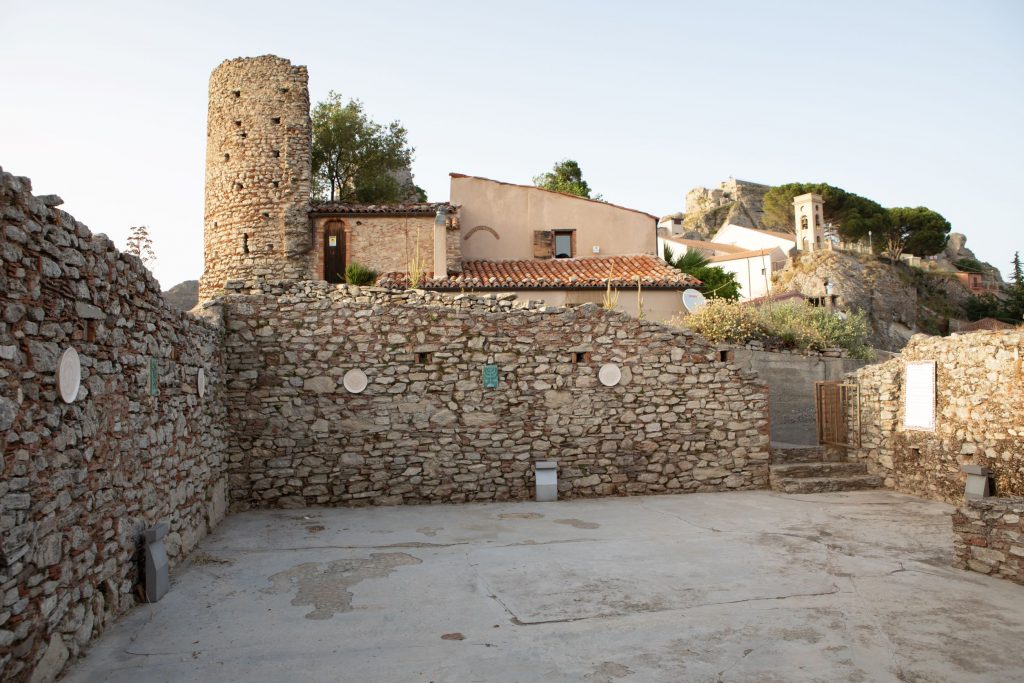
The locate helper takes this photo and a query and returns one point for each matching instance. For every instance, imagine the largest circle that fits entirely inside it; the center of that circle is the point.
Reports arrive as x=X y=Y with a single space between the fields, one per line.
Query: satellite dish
x=693 y=300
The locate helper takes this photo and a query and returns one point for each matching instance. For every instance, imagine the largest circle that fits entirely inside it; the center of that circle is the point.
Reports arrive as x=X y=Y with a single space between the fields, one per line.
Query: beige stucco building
x=506 y=222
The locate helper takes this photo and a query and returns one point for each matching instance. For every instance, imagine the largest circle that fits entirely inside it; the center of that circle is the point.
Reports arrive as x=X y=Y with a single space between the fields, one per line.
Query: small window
x=275 y=154
x=245 y=243
x=284 y=91
x=424 y=357
x=238 y=123
x=579 y=357
x=275 y=120
x=266 y=214
x=227 y=157
x=239 y=186
x=563 y=244
x=275 y=183
x=236 y=93
x=725 y=356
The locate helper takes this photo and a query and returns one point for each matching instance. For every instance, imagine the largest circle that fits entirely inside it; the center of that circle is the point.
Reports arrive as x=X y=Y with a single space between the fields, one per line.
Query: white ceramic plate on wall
x=355 y=381
x=609 y=374
x=69 y=375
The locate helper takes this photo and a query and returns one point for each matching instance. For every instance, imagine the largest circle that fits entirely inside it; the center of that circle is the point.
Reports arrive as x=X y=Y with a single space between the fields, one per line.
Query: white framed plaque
x=609 y=374
x=919 y=396
x=354 y=381
x=201 y=383
x=69 y=374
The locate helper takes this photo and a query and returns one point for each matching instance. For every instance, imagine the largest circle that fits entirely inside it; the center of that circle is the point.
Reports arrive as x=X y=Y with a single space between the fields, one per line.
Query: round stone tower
x=258 y=171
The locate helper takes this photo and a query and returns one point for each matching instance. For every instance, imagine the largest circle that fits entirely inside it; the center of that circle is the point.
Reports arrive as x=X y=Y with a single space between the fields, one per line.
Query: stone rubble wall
x=258 y=173
x=988 y=537
x=426 y=430
x=979 y=416
x=80 y=481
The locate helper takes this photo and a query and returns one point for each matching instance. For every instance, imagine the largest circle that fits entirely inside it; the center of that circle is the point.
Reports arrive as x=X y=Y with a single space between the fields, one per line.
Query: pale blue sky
x=909 y=103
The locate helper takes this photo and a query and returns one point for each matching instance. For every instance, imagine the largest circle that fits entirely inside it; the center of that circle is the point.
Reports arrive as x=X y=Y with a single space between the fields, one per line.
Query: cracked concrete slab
x=751 y=586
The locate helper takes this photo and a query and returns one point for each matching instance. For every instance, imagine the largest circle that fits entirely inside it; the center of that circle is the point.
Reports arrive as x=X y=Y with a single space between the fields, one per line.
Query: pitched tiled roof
x=564 y=194
x=735 y=256
x=589 y=273
x=711 y=246
x=405 y=209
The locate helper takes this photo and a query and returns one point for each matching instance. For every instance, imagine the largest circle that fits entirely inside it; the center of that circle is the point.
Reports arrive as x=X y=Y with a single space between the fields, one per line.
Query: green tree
x=566 y=176
x=915 y=230
x=851 y=215
x=356 y=159
x=716 y=283
x=1014 y=307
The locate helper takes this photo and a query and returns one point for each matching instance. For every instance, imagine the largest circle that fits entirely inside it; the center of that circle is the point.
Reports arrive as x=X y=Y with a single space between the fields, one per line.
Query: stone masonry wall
x=426 y=429
x=386 y=244
x=80 y=481
x=988 y=537
x=979 y=416
x=258 y=173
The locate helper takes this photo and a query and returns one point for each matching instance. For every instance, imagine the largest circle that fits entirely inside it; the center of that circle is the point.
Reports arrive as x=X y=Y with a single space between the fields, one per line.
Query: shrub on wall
x=357 y=274
x=789 y=325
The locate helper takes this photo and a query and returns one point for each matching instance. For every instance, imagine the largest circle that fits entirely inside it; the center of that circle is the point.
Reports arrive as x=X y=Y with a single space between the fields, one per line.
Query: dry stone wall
x=79 y=481
x=258 y=173
x=979 y=415
x=988 y=537
x=426 y=429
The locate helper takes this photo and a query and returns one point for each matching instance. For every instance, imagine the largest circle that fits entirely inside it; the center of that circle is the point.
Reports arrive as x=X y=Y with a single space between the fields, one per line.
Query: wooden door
x=334 y=251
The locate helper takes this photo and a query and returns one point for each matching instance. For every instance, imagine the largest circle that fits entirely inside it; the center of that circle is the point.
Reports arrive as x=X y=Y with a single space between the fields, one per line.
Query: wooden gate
x=837 y=413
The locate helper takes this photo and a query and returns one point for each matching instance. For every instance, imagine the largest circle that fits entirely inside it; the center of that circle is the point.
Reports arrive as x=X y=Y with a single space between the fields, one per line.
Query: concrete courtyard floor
x=751 y=586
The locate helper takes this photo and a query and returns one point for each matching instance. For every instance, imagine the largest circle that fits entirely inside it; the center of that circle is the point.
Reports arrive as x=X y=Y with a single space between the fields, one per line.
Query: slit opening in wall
x=238 y=123
x=275 y=154
x=580 y=357
x=275 y=120
x=227 y=157
x=275 y=183
x=245 y=243
x=243 y=135
x=424 y=357
x=266 y=214
x=236 y=93
x=725 y=356
x=915 y=453
x=239 y=186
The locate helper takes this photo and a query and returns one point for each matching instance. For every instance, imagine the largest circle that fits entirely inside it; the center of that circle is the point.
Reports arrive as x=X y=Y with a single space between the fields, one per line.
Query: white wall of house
x=752 y=239
x=753 y=273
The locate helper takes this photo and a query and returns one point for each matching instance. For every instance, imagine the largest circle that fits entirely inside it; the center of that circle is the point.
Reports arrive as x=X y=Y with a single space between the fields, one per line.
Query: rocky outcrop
x=736 y=202
x=859 y=283
x=183 y=296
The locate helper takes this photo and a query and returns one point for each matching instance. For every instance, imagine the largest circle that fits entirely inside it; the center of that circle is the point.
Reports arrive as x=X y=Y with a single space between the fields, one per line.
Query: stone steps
x=816 y=469
x=856 y=482
x=791 y=454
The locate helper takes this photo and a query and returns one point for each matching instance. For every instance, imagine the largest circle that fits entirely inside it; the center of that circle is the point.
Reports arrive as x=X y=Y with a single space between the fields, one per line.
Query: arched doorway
x=334 y=251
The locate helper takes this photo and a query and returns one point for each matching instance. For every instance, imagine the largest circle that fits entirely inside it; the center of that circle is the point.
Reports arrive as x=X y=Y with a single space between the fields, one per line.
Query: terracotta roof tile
x=589 y=273
x=405 y=209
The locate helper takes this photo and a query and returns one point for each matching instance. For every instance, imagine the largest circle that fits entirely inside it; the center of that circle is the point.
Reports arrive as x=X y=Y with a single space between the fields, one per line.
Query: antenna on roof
x=693 y=300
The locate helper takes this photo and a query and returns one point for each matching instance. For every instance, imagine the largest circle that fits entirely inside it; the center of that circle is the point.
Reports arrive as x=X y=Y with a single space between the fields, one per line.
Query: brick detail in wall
x=80 y=481
x=979 y=405
x=680 y=421
x=258 y=173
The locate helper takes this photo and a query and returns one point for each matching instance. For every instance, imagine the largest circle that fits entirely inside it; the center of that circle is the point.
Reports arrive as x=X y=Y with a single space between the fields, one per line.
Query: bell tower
x=258 y=174
x=809 y=223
